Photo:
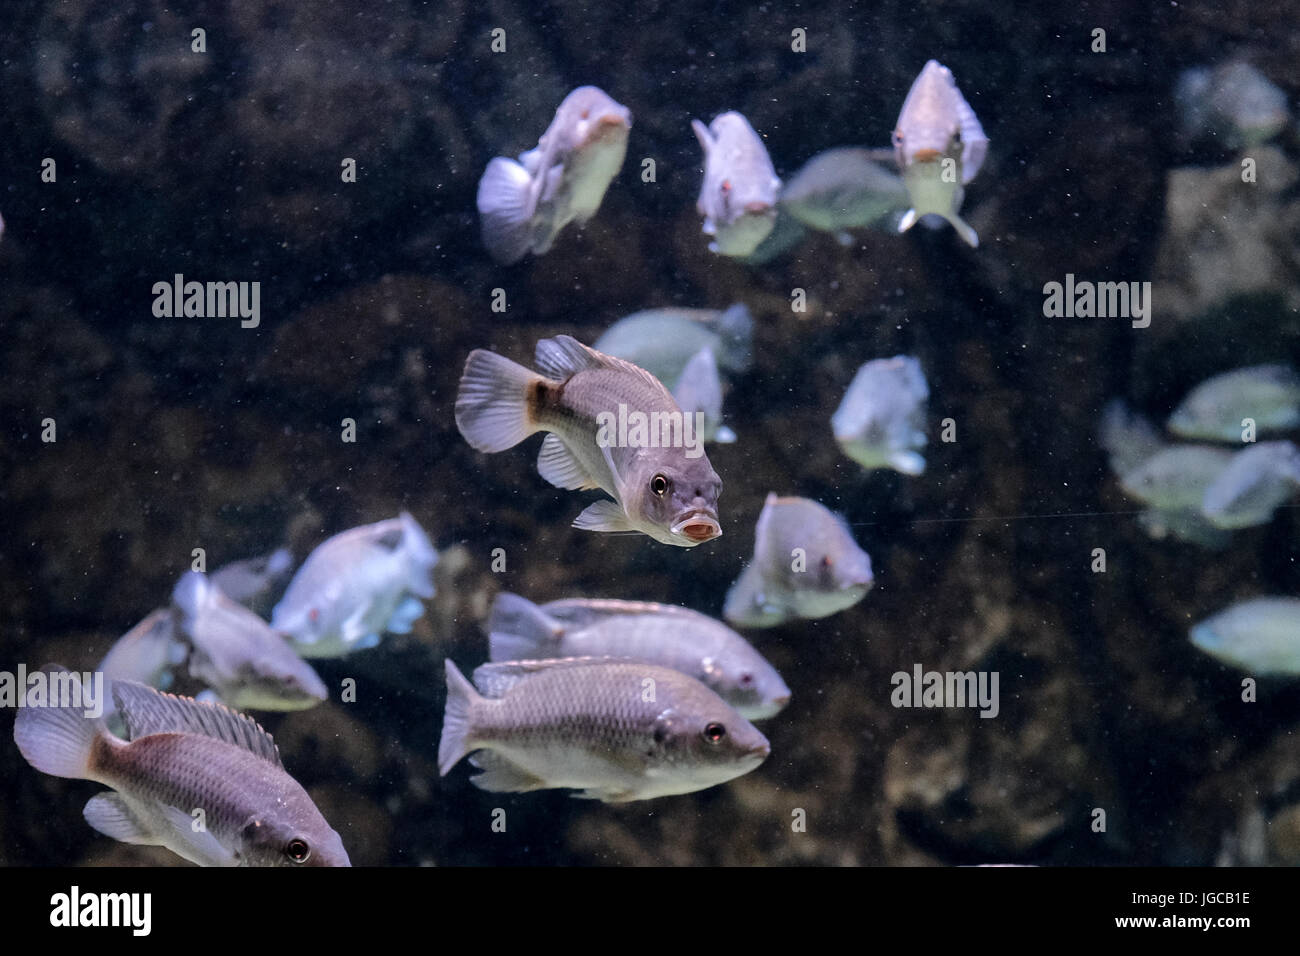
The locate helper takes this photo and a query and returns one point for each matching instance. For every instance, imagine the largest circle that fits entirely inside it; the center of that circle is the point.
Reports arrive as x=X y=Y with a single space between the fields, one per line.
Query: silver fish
x=1260 y=635
x=699 y=389
x=1259 y=478
x=612 y=426
x=615 y=730
x=253 y=582
x=149 y=653
x=1176 y=477
x=805 y=565
x=940 y=146
x=881 y=419
x=662 y=341
x=524 y=205
x=740 y=189
x=663 y=634
x=356 y=587
x=1269 y=395
x=199 y=779
x=843 y=189
x=1234 y=102
x=249 y=665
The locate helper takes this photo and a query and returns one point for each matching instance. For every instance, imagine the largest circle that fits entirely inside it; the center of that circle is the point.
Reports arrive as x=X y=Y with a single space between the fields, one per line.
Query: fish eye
x=297 y=850
x=726 y=185
x=714 y=732
x=827 y=561
x=659 y=485
x=746 y=680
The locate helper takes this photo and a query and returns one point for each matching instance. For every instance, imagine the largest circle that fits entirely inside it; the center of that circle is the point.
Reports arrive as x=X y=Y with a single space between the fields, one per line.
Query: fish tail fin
x=963 y=229
x=908 y=221
x=456 y=724
x=57 y=738
x=519 y=630
x=492 y=407
x=505 y=207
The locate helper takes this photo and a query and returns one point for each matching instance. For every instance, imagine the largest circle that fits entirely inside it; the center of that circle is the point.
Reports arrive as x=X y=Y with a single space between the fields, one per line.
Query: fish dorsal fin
x=495 y=680
x=146 y=711
x=564 y=356
x=582 y=612
x=704 y=135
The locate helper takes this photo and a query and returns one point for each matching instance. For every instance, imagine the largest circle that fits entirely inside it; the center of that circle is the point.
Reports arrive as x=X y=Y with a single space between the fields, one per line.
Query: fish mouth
x=757 y=208
x=761 y=751
x=698 y=527
x=925 y=155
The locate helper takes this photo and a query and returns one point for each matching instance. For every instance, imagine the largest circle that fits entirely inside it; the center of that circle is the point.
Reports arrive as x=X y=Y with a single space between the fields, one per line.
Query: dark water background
x=181 y=433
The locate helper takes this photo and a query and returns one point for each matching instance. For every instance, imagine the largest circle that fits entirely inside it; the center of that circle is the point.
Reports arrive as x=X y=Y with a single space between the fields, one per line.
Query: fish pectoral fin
x=501 y=776
x=603 y=516
x=558 y=465
x=355 y=630
x=199 y=846
x=964 y=230
x=110 y=815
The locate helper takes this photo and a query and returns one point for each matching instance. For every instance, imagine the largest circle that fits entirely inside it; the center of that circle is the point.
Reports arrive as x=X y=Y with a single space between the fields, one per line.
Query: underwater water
x=327 y=158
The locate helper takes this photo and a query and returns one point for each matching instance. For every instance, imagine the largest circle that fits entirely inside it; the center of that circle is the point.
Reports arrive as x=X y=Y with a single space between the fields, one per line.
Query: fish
x=880 y=421
x=739 y=193
x=357 y=586
x=1269 y=395
x=149 y=653
x=659 y=477
x=1176 y=477
x=614 y=730
x=1260 y=635
x=662 y=634
x=663 y=341
x=699 y=389
x=200 y=779
x=940 y=146
x=253 y=581
x=843 y=188
x=1234 y=102
x=805 y=565
x=1257 y=480
x=524 y=205
x=234 y=652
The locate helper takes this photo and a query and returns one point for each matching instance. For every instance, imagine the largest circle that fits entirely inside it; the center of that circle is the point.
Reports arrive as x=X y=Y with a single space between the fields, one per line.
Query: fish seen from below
x=805 y=565
x=612 y=426
x=740 y=189
x=940 y=146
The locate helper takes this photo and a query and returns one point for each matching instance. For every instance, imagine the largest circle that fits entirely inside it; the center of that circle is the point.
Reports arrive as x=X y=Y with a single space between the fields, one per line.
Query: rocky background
x=181 y=433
